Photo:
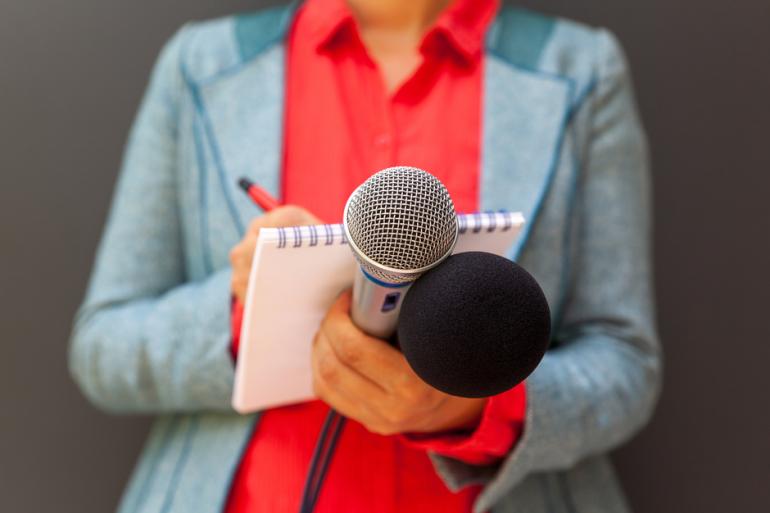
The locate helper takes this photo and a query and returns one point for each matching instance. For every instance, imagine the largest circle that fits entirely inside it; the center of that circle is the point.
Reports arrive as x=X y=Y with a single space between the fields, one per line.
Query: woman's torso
x=189 y=460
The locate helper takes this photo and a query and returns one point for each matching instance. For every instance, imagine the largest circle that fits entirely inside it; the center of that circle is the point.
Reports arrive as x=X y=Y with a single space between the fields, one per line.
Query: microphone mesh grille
x=402 y=218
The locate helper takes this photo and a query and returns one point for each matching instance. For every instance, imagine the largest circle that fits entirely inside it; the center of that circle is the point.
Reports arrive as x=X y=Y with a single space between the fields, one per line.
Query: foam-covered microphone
x=399 y=223
x=475 y=326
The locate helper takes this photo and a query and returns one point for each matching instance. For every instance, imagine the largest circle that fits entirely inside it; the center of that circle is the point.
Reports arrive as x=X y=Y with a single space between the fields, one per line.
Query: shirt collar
x=325 y=20
x=463 y=25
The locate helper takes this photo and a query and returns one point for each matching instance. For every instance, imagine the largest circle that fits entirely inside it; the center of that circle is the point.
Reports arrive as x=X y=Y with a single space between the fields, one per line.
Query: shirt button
x=382 y=140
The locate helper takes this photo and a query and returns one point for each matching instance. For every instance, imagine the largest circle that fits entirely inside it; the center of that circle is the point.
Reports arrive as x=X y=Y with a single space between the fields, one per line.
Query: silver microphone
x=399 y=223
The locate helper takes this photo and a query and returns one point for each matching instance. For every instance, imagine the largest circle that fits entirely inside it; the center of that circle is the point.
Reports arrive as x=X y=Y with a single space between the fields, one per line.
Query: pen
x=267 y=203
x=259 y=195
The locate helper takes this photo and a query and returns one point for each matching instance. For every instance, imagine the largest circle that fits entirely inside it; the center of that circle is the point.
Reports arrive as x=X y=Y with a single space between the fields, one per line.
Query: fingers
x=374 y=358
x=240 y=260
x=342 y=387
x=242 y=254
x=368 y=380
x=380 y=411
x=334 y=371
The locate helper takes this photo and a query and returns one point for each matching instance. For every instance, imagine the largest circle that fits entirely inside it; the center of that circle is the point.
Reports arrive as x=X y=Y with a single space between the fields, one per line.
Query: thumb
x=342 y=303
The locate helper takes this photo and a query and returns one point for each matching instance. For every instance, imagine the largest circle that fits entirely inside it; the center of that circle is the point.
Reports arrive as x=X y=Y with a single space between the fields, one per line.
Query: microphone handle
x=376 y=304
x=375 y=310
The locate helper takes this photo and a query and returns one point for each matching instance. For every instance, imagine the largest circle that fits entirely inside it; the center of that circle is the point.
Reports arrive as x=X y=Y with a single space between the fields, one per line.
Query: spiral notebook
x=295 y=277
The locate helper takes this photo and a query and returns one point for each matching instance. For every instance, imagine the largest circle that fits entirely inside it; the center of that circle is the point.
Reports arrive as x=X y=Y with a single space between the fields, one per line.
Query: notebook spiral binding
x=329 y=234
x=310 y=236
x=502 y=220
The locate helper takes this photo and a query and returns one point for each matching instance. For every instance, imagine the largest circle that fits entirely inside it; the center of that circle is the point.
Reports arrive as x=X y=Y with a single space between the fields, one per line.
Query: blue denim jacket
x=562 y=143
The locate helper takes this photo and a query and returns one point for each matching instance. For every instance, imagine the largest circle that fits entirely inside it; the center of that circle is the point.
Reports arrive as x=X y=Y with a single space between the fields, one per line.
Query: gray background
x=71 y=74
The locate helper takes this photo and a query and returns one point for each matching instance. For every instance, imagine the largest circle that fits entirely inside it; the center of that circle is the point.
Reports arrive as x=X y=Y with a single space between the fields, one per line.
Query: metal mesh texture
x=402 y=218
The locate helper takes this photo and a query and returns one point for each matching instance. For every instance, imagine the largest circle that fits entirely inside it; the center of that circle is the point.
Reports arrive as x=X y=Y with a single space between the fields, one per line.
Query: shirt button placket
x=384 y=144
x=385 y=136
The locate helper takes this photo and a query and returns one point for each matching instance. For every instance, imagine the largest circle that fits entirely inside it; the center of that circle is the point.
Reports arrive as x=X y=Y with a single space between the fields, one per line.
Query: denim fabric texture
x=562 y=143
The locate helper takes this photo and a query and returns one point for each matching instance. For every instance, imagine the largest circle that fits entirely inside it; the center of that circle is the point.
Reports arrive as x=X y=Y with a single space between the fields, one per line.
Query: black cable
x=327 y=460
x=314 y=461
x=319 y=462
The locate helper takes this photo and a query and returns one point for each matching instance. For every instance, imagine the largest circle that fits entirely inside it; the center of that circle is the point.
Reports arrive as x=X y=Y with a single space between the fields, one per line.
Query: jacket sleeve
x=146 y=339
x=601 y=384
x=492 y=438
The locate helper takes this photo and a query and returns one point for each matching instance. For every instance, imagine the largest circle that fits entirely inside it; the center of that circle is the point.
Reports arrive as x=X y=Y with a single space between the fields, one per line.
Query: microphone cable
x=322 y=456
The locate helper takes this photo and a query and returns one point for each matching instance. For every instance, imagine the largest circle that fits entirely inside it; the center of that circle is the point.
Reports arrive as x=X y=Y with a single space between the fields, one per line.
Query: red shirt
x=341 y=127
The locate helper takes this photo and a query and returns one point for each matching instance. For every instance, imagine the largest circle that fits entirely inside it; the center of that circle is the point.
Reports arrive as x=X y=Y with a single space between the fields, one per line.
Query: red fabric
x=236 y=319
x=341 y=126
x=498 y=429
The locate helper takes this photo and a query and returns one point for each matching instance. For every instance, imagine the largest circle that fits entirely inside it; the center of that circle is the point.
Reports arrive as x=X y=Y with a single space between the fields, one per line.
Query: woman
x=511 y=110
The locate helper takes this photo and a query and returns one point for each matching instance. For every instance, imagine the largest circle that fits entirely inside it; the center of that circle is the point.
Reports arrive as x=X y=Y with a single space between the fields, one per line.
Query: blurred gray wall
x=71 y=75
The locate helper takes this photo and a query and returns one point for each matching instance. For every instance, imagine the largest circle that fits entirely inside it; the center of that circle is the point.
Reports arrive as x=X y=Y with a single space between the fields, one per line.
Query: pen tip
x=245 y=183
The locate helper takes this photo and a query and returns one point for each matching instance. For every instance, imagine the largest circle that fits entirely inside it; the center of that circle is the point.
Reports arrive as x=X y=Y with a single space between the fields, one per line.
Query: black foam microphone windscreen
x=475 y=326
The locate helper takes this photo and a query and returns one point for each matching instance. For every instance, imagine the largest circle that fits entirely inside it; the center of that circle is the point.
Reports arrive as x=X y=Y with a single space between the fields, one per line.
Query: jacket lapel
x=239 y=97
x=525 y=115
x=242 y=116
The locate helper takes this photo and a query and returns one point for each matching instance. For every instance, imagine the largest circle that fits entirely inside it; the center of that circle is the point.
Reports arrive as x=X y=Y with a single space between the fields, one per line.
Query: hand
x=242 y=253
x=366 y=379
